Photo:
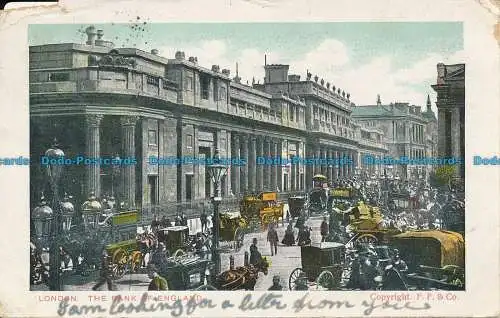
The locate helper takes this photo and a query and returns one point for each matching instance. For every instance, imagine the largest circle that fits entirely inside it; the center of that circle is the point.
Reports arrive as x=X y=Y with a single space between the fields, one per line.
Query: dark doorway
x=189 y=187
x=153 y=189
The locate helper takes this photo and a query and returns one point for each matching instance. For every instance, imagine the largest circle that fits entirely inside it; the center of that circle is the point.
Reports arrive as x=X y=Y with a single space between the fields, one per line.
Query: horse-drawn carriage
x=264 y=206
x=186 y=272
x=435 y=259
x=318 y=196
x=297 y=205
x=322 y=266
x=232 y=228
x=175 y=238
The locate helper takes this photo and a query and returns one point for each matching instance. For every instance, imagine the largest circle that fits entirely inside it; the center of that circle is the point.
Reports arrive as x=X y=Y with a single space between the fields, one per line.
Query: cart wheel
x=239 y=235
x=206 y=287
x=120 y=257
x=325 y=280
x=179 y=253
x=136 y=260
x=293 y=277
x=366 y=239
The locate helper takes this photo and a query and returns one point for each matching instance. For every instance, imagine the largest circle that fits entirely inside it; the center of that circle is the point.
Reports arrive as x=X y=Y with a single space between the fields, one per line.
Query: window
x=291 y=112
x=222 y=93
x=153 y=189
x=189 y=141
x=205 y=86
x=447 y=142
x=152 y=138
x=216 y=90
x=188 y=83
x=152 y=80
x=58 y=77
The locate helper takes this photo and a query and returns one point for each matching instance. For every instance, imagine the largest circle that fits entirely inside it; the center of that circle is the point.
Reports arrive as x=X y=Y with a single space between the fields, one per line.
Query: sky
x=394 y=59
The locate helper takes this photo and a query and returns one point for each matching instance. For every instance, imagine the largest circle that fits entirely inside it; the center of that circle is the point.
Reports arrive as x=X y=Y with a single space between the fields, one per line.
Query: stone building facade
x=408 y=131
x=450 y=88
x=102 y=102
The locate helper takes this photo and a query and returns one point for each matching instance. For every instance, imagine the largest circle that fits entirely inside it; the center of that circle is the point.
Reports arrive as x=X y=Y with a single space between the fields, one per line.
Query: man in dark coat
x=324 y=230
x=255 y=255
x=157 y=282
x=203 y=220
x=106 y=271
x=272 y=238
x=276 y=284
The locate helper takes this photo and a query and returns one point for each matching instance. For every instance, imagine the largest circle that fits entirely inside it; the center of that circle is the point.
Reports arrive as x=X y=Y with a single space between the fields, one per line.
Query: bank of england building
x=106 y=102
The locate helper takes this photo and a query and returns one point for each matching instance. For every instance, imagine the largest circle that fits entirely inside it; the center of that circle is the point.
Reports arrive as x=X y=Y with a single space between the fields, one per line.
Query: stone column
x=235 y=169
x=128 y=143
x=274 y=168
x=252 y=164
x=244 y=168
x=330 y=166
x=267 y=167
x=92 y=150
x=260 y=167
x=324 y=167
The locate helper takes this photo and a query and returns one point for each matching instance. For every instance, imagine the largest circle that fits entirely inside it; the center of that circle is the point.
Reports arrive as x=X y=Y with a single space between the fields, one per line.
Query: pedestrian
x=324 y=229
x=203 y=219
x=272 y=238
x=289 y=238
x=184 y=220
x=159 y=257
x=164 y=222
x=276 y=283
x=106 y=271
x=255 y=255
x=178 y=220
x=155 y=223
x=287 y=216
x=157 y=281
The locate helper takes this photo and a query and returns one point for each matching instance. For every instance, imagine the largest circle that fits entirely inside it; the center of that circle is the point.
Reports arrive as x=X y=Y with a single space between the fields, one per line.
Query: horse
x=243 y=277
x=146 y=242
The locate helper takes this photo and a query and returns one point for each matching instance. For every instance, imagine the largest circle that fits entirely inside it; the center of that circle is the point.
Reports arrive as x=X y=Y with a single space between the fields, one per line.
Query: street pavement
x=282 y=264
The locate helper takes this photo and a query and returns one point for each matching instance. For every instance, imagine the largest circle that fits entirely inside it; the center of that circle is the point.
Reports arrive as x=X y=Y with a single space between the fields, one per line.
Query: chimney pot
x=154 y=52
x=100 y=34
x=179 y=55
x=215 y=68
x=91 y=34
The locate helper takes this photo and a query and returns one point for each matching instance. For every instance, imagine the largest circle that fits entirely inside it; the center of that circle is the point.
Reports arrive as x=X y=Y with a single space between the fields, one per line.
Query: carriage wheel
x=136 y=260
x=120 y=256
x=325 y=280
x=293 y=277
x=206 y=287
x=239 y=235
x=179 y=253
x=366 y=239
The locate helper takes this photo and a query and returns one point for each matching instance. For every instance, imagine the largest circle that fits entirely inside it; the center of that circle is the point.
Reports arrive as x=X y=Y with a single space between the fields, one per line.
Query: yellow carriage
x=265 y=207
x=125 y=254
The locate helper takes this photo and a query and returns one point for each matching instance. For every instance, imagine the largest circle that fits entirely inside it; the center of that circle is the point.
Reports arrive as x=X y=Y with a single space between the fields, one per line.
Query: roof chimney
x=237 y=78
x=179 y=55
x=91 y=34
x=154 y=52
x=379 y=102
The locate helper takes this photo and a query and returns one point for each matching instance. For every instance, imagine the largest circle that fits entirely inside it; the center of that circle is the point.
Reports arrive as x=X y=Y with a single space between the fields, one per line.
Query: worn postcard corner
x=242 y=158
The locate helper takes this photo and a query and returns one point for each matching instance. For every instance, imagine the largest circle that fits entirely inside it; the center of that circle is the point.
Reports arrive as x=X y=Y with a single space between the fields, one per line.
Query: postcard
x=250 y=158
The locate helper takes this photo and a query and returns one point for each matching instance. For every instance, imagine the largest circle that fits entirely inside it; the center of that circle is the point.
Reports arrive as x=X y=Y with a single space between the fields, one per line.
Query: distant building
x=450 y=88
x=106 y=102
x=408 y=132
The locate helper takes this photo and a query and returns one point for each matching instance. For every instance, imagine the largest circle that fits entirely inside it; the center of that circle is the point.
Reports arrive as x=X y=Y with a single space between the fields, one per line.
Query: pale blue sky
x=396 y=60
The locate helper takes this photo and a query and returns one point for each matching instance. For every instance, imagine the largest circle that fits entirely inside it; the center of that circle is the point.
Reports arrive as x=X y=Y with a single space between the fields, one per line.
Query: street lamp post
x=54 y=171
x=216 y=171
